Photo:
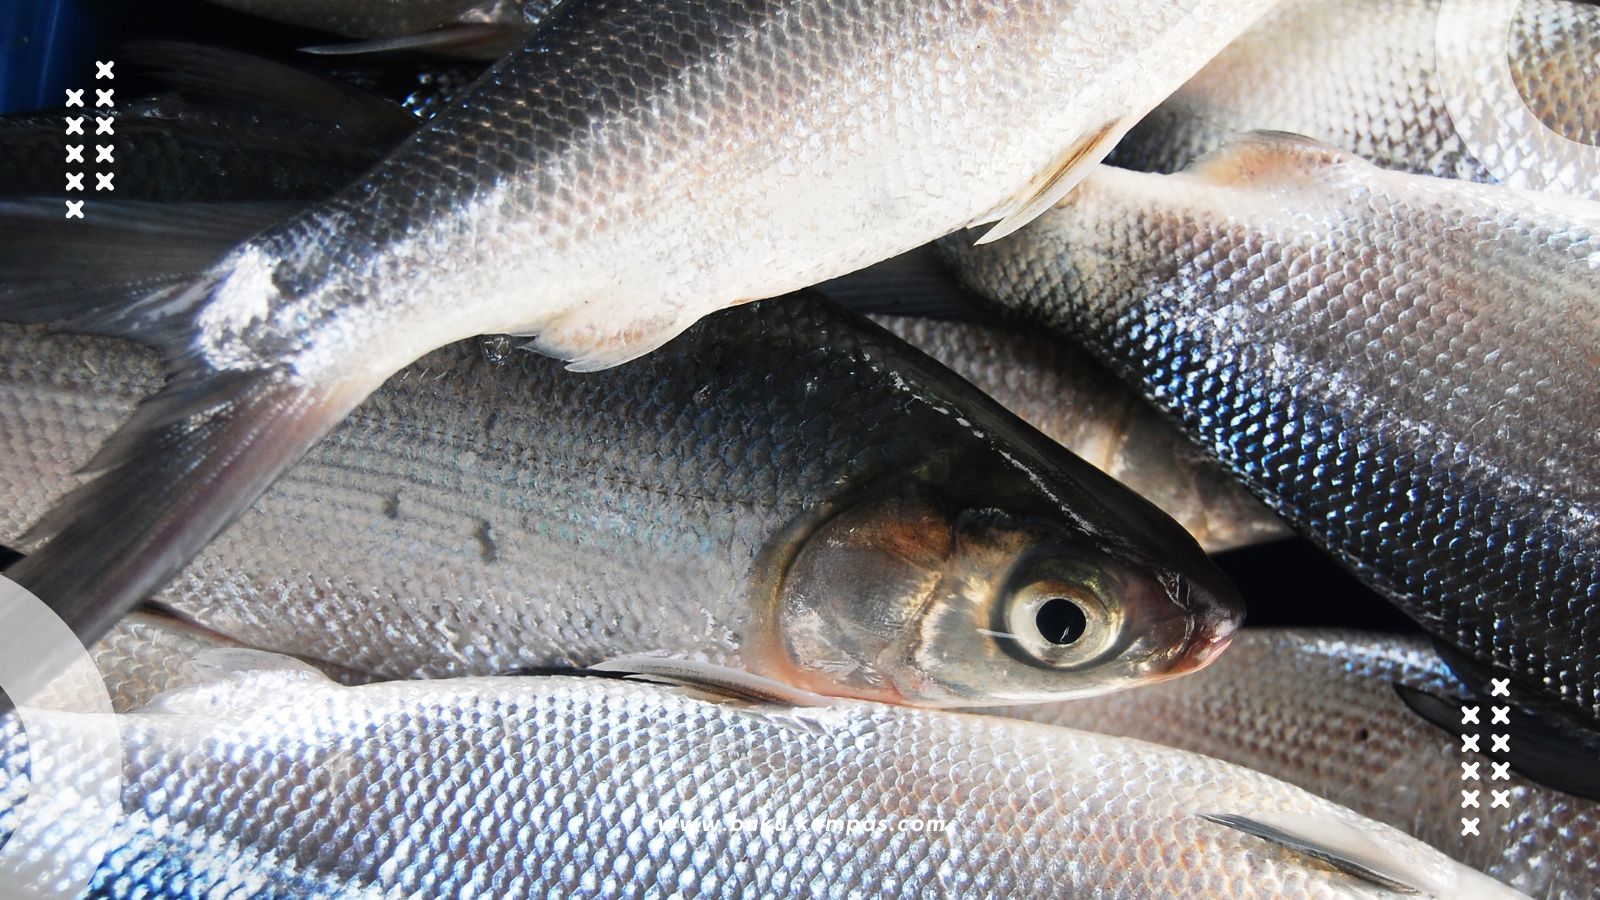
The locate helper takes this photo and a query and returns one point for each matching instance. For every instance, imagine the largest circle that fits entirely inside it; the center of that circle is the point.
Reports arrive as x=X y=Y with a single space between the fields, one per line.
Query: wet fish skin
x=753 y=148
x=1081 y=405
x=716 y=500
x=1402 y=366
x=1318 y=709
x=1364 y=75
x=571 y=787
x=395 y=18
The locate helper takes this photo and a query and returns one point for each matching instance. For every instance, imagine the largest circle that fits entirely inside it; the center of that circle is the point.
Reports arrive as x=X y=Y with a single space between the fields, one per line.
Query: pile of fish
x=445 y=517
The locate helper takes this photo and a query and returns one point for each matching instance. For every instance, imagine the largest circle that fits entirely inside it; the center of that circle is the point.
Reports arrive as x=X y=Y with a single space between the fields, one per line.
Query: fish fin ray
x=588 y=345
x=1544 y=747
x=87 y=272
x=469 y=40
x=1064 y=174
x=712 y=681
x=1329 y=842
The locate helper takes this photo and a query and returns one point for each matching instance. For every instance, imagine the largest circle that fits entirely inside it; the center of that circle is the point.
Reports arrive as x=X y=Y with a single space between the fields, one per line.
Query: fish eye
x=1057 y=623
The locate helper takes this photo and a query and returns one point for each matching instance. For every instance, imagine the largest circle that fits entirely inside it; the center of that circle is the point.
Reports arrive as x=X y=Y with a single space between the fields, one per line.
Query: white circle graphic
x=61 y=831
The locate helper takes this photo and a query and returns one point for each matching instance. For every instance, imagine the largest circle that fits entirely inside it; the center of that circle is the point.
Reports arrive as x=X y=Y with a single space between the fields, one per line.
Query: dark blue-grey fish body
x=1405 y=367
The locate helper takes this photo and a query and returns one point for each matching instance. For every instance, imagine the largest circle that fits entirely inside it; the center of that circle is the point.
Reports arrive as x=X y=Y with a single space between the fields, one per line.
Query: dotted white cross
x=103 y=181
x=1499 y=687
x=103 y=126
x=1469 y=798
x=1501 y=715
x=1469 y=715
x=1502 y=771
x=1499 y=743
x=103 y=98
x=103 y=69
x=1469 y=743
x=1502 y=799
x=74 y=98
x=1469 y=771
x=1468 y=826
x=74 y=209
x=74 y=124
x=102 y=153
x=74 y=181
x=74 y=153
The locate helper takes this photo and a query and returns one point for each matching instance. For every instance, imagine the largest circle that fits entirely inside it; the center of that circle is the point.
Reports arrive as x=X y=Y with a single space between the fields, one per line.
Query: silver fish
x=1318 y=709
x=278 y=781
x=635 y=166
x=1403 y=366
x=786 y=489
x=1510 y=96
x=473 y=28
x=1081 y=405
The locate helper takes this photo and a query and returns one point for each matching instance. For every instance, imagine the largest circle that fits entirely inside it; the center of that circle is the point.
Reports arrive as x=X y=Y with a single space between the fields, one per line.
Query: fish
x=1318 y=709
x=632 y=167
x=1402 y=366
x=1083 y=406
x=587 y=786
x=474 y=29
x=1510 y=99
x=787 y=489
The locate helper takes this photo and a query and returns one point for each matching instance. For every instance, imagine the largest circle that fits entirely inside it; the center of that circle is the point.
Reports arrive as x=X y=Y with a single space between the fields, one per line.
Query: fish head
x=1014 y=585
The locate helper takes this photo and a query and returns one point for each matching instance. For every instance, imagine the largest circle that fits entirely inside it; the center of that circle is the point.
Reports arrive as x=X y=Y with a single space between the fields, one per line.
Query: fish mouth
x=1218 y=612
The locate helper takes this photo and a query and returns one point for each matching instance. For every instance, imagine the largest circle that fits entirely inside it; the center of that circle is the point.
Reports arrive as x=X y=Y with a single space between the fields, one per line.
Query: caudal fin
x=188 y=462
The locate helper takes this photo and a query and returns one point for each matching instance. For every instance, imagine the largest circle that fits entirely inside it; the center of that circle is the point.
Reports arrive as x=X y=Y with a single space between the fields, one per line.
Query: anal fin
x=1060 y=177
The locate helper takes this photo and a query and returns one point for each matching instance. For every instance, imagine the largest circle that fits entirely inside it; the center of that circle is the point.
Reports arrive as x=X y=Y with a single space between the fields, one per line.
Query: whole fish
x=632 y=167
x=1319 y=710
x=278 y=781
x=1403 y=366
x=1080 y=404
x=1511 y=95
x=786 y=489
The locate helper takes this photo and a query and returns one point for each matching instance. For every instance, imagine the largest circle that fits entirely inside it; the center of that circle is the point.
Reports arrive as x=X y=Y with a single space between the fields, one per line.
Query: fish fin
x=1258 y=157
x=56 y=270
x=1331 y=842
x=466 y=40
x=230 y=78
x=590 y=342
x=911 y=284
x=1064 y=174
x=712 y=681
x=1544 y=747
x=188 y=463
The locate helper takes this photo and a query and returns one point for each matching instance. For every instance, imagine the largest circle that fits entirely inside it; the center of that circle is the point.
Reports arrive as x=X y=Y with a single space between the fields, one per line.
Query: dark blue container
x=45 y=47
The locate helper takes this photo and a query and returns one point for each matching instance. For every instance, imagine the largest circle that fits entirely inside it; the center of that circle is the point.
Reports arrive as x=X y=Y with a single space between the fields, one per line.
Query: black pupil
x=1061 y=621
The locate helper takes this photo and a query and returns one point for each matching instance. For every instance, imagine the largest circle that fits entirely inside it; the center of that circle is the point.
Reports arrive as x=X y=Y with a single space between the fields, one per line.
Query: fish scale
x=280 y=782
x=1401 y=365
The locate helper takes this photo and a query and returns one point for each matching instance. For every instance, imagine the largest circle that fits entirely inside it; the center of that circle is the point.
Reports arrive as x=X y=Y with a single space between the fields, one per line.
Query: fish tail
x=190 y=459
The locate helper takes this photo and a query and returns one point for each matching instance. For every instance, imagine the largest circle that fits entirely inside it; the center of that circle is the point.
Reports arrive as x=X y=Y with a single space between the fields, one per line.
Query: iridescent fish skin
x=1081 y=405
x=786 y=489
x=1402 y=366
x=1365 y=76
x=632 y=167
x=1319 y=710
x=280 y=782
x=396 y=18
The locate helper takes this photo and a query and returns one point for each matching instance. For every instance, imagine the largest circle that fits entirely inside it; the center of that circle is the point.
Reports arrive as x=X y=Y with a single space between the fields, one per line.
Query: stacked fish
x=426 y=614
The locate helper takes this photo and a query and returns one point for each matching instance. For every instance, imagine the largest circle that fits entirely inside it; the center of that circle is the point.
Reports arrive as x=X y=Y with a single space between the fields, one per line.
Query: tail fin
x=188 y=462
